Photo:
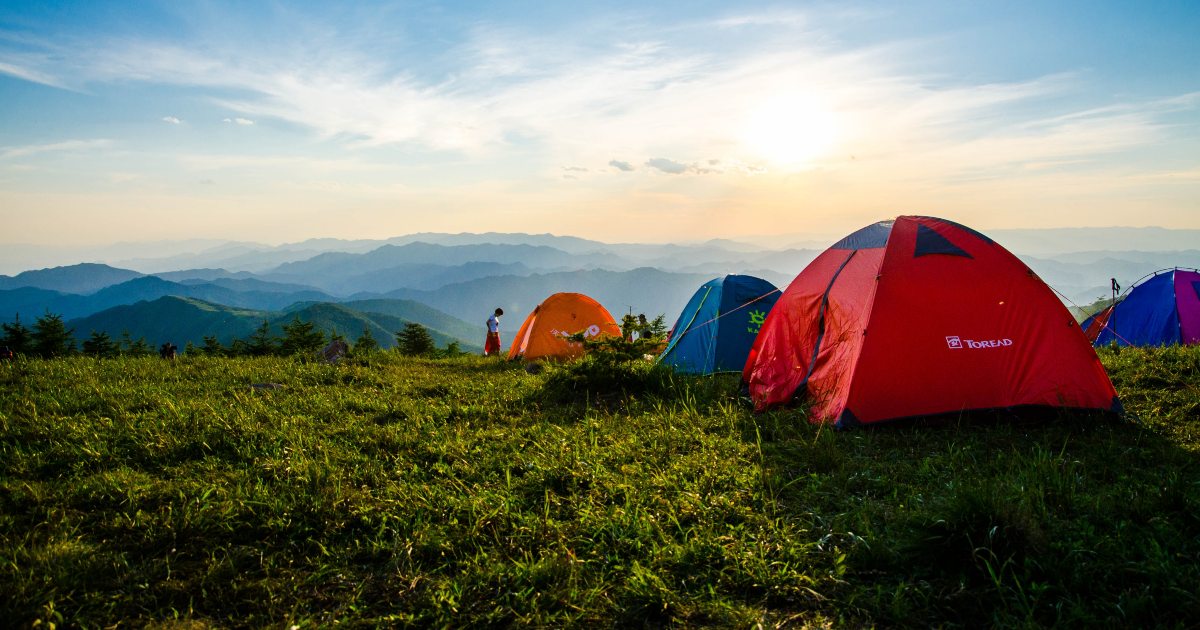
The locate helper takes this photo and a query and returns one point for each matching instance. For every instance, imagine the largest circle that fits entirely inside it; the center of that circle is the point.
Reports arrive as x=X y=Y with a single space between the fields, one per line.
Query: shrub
x=612 y=367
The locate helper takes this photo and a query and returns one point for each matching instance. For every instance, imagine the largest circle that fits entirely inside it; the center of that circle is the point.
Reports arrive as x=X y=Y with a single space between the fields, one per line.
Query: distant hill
x=34 y=302
x=151 y=287
x=181 y=320
x=175 y=319
x=350 y=323
x=82 y=278
x=254 y=286
x=425 y=276
x=645 y=290
x=423 y=314
x=203 y=274
x=1049 y=242
x=336 y=266
x=29 y=303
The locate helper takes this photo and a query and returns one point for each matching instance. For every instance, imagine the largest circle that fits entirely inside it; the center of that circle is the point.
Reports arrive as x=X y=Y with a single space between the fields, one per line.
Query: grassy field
x=394 y=491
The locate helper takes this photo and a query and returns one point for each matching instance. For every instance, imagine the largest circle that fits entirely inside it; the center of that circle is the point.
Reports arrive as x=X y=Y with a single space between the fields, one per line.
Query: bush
x=612 y=367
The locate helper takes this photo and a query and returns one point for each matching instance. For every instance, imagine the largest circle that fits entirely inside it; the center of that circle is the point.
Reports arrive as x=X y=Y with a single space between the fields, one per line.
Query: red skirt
x=491 y=345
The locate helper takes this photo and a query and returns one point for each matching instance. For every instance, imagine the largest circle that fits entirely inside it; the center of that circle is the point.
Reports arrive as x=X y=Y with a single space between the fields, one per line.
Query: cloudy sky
x=640 y=121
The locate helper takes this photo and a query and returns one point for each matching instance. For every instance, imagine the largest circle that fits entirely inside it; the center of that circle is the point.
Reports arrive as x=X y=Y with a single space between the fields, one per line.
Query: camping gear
x=544 y=335
x=921 y=317
x=717 y=327
x=1163 y=309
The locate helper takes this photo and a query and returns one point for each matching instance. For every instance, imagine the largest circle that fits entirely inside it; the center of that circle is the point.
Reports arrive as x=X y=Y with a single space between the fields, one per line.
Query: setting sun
x=790 y=131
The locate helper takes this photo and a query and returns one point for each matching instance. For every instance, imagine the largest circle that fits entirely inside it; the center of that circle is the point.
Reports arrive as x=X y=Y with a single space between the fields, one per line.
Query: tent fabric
x=543 y=333
x=715 y=330
x=1093 y=325
x=934 y=318
x=1163 y=309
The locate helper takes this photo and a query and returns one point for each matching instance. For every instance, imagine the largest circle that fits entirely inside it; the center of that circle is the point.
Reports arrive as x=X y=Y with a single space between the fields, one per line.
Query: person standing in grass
x=491 y=345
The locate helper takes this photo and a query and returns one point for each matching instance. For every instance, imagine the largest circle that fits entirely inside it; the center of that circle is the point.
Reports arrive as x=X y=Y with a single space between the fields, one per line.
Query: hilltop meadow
x=392 y=490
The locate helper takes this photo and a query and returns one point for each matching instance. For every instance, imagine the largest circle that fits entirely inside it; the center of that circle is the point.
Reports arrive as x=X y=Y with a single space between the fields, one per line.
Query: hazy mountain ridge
x=181 y=320
x=82 y=278
x=644 y=290
x=468 y=277
x=32 y=302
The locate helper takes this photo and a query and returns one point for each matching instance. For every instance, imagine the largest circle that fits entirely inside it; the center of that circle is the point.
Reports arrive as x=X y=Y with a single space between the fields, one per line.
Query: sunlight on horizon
x=791 y=130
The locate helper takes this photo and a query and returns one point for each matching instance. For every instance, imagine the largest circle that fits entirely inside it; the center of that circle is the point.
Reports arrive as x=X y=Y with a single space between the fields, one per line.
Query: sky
x=623 y=122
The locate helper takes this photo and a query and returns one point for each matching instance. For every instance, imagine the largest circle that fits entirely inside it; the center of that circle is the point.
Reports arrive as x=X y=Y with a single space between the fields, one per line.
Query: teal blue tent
x=717 y=327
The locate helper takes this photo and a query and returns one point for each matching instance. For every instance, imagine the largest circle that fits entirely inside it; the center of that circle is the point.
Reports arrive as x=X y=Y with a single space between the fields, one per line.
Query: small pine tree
x=452 y=349
x=365 y=344
x=261 y=343
x=301 y=338
x=140 y=348
x=212 y=347
x=189 y=349
x=51 y=337
x=17 y=337
x=414 y=340
x=99 y=345
x=657 y=328
x=239 y=348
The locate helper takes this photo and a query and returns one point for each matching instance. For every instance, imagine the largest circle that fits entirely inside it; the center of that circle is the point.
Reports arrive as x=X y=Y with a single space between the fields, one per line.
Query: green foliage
x=212 y=347
x=612 y=367
x=451 y=351
x=261 y=343
x=457 y=492
x=366 y=343
x=134 y=347
x=414 y=340
x=301 y=338
x=657 y=328
x=17 y=337
x=654 y=329
x=51 y=337
x=100 y=345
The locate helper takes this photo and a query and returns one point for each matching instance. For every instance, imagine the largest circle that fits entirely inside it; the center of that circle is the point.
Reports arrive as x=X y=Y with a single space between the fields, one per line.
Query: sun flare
x=790 y=131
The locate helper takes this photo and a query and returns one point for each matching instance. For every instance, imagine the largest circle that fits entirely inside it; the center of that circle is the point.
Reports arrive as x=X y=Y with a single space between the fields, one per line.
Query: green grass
x=398 y=491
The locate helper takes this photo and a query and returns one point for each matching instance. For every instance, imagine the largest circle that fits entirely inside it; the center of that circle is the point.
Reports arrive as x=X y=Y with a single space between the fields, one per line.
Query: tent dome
x=544 y=332
x=921 y=317
x=717 y=327
x=1161 y=310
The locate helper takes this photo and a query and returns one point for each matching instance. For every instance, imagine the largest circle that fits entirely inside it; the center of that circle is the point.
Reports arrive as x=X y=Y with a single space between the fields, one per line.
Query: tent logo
x=756 y=321
x=590 y=331
x=954 y=342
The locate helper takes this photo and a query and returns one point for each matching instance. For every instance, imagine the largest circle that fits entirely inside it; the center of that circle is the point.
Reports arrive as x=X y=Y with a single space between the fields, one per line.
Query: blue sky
x=623 y=122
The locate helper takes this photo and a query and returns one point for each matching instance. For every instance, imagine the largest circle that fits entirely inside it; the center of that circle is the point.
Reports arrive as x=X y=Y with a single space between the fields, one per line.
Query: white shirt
x=493 y=324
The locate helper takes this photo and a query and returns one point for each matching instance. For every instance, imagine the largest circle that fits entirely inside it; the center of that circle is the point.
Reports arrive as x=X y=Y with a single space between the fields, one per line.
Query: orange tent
x=543 y=335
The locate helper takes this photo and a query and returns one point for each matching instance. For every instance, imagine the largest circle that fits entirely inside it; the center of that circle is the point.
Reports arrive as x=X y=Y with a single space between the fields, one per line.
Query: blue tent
x=1163 y=309
x=717 y=327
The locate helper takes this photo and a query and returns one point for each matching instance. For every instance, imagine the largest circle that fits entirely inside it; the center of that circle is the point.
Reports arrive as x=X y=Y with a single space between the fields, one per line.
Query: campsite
x=1036 y=482
x=433 y=314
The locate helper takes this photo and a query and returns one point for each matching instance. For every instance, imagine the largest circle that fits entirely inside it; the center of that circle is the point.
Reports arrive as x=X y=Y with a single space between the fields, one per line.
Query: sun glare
x=790 y=131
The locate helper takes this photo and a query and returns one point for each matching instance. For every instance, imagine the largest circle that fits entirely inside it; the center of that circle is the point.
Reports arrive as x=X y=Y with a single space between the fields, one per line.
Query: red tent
x=921 y=317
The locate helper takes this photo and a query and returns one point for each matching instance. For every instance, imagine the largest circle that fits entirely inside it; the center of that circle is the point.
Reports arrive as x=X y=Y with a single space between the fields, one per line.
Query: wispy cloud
x=667 y=166
x=172 y=120
x=215 y=162
x=64 y=146
x=33 y=76
x=627 y=91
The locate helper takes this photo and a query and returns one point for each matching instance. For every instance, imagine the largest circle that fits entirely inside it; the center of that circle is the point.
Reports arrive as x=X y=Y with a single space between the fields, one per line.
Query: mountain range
x=459 y=278
x=182 y=320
